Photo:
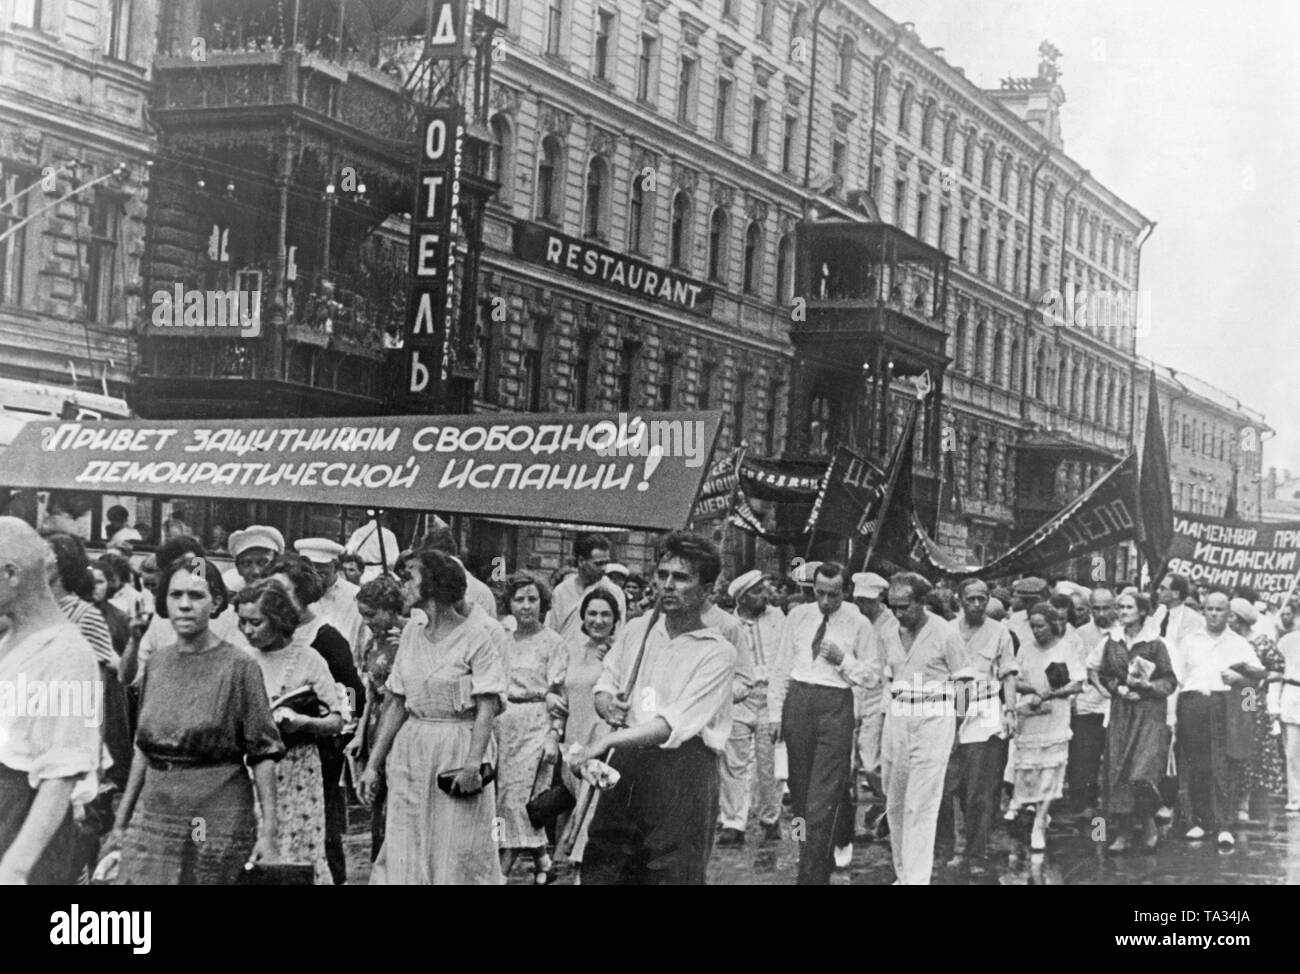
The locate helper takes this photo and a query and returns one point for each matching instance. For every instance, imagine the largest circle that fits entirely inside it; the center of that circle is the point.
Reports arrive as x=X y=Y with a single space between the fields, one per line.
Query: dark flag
x=1155 y=501
x=894 y=530
x=717 y=496
x=1230 y=508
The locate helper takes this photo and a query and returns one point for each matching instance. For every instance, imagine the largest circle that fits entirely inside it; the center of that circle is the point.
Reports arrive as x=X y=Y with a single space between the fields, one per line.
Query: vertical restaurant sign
x=434 y=229
x=449 y=31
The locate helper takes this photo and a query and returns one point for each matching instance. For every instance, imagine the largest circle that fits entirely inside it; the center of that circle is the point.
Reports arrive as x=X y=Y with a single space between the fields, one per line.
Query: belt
x=528 y=699
x=159 y=764
x=907 y=696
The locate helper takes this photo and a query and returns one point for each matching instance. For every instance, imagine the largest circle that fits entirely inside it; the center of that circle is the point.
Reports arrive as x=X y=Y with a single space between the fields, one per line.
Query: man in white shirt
x=591 y=553
x=827 y=649
x=1214 y=659
x=666 y=686
x=1091 y=707
x=338 y=606
x=44 y=754
x=750 y=749
x=376 y=546
x=868 y=592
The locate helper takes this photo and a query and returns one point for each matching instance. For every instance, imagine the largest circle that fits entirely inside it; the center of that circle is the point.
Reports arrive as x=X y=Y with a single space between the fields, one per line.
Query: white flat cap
x=318 y=551
x=743 y=583
x=255 y=536
x=868 y=585
x=614 y=568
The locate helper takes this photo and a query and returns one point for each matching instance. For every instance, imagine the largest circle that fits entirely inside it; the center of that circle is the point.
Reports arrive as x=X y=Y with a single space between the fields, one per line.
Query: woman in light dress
x=528 y=736
x=1043 y=736
x=435 y=739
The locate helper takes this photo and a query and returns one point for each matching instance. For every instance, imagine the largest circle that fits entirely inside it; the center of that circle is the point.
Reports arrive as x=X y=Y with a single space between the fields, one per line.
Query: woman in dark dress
x=187 y=816
x=1137 y=744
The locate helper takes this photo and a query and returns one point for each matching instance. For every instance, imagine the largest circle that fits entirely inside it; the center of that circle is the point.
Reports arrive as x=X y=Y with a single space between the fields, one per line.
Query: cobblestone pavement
x=1267 y=852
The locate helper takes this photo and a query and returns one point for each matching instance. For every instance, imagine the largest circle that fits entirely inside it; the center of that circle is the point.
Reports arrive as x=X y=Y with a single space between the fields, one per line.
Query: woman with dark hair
x=1050 y=674
x=600 y=617
x=73 y=585
x=269 y=621
x=1137 y=673
x=187 y=816
x=298 y=579
x=382 y=606
x=528 y=734
x=435 y=741
x=1263 y=772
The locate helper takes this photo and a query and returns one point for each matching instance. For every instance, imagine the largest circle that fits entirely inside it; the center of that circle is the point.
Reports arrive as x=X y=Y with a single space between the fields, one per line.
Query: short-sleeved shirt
x=1091 y=643
x=686 y=680
x=1289 y=701
x=206 y=708
x=56 y=666
x=930 y=668
x=1204 y=657
x=993 y=658
x=442 y=679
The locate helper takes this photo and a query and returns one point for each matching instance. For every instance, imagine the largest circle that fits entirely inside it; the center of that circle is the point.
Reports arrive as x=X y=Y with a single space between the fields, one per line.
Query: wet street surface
x=1267 y=853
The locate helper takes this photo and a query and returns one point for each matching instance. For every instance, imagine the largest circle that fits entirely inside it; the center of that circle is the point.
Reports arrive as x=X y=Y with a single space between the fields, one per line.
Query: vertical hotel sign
x=435 y=226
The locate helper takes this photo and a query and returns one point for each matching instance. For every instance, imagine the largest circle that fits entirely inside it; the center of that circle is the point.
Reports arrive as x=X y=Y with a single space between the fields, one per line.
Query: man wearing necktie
x=750 y=749
x=828 y=648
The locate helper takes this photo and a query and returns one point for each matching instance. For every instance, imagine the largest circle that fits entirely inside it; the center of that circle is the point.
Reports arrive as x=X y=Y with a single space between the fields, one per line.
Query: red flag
x=1155 y=502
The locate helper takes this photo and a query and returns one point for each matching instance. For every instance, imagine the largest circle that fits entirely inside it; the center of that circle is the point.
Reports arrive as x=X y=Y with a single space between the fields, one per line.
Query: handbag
x=303 y=701
x=1058 y=675
x=545 y=808
x=448 y=778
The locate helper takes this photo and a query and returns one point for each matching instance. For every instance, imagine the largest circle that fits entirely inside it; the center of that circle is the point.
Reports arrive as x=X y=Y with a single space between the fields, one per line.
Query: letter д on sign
x=448 y=36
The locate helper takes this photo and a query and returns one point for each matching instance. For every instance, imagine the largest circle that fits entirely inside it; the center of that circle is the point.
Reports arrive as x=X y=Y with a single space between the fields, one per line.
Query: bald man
x=44 y=660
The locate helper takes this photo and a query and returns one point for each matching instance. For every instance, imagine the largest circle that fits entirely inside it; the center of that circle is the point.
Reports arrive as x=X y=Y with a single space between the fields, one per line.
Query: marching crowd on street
x=625 y=722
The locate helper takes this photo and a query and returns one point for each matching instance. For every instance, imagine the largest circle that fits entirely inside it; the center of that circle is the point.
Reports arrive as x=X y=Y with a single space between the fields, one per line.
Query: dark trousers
x=55 y=865
x=336 y=813
x=1201 y=758
x=1083 y=769
x=817 y=725
x=655 y=827
x=974 y=778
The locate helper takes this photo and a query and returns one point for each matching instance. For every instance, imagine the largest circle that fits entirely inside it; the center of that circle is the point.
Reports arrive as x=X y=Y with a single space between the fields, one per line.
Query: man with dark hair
x=634 y=589
x=923 y=661
x=827 y=648
x=591 y=553
x=444 y=539
x=1091 y=707
x=666 y=686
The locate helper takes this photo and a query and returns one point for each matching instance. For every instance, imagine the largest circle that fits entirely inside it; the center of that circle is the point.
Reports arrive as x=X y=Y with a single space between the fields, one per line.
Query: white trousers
x=914 y=757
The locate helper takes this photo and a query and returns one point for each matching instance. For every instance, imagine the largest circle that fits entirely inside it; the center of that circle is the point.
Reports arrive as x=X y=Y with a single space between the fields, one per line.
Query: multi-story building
x=74 y=143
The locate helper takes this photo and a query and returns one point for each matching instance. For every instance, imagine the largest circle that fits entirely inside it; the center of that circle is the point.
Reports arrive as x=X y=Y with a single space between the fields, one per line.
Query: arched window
x=1049 y=202
x=905 y=109
x=798 y=28
x=784 y=269
x=638 y=215
x=928 y=114
x=550 y=181
x=995 y=364
x=679 y=242
x=1004 y=181
x=1110 y=402
x=500 y=163
x=1080 y=224
x=1020 y=188
x=753 y=258
x=1013 y=379
x=881 y=94
x=949 y=136
x=986 y=169
x=977 y=353
x=968 y=153
x=1063 y=384
x=1075 y=375
x=844 y=65
x=1040 y=375
x=718 y=245
x=597 y=204
x=959 y=344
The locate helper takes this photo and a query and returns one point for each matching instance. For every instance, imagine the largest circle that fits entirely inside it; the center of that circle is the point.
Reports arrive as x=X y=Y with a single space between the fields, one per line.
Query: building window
x=1020 y=189
x=679 y=232
x=487 y=359
x=627 y=375
x=844 y=63
x=582 y=370
x=636 y=222
x=942 y=241
x=838 y=153
x=704 y=395
x=645 y=68
x=753 y=258
x=758 y=128
x=999 y=263
x=1013 y=378
x=968 y=154
x=1040 y=375
x=986 y=170
x=729 y=10
x=718 y=245
x=982 y=252
x=550 y=195
x=499 y=161
x=532 y=382
x=738 y=409
x=922 y=214
x=880 y=97
x=798 y=28
x=105 y=223
x=27 y=13
x=770 y=418
x=788 y=135
x=1042 y=276
x=927 y=124
x=13 y=249
x=1049 y=202
x=784 y=266
x=117 y=44
x=722 y=111
x=900 y=203
x=764 y=20
x=667 y=382
x=686 y=91
x=1016 y=264
x=597 y=195
x=977 y=353
x=554 y=26
x=1004 y=179
x=949 y=136
x=904 y=109
x=959 y=345
x=604 y=37
x=963 y=231
x=995 y=363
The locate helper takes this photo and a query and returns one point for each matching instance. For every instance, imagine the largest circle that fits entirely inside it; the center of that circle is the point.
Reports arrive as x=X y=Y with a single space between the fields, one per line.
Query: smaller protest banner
x=1216 y=551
